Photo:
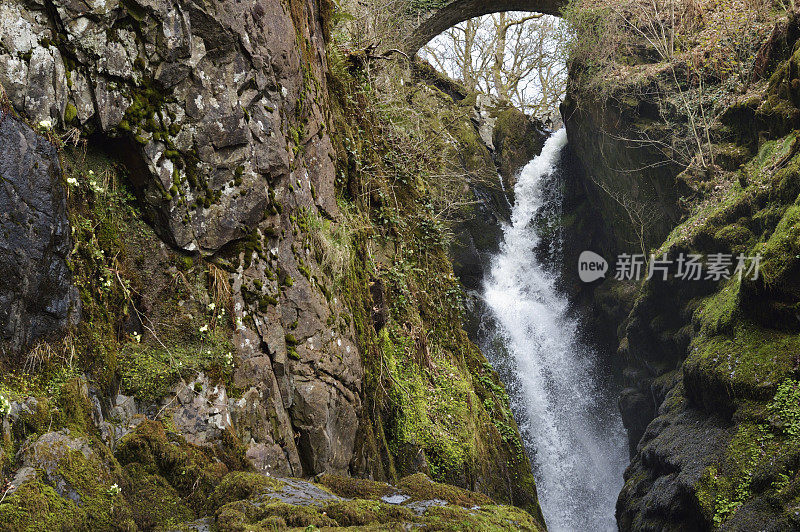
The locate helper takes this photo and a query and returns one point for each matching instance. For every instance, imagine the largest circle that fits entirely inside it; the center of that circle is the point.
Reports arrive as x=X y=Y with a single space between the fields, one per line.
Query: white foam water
x=567 y=417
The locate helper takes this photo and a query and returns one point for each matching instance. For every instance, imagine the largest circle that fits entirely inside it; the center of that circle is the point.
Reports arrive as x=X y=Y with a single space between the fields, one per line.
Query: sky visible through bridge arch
x=516 y=56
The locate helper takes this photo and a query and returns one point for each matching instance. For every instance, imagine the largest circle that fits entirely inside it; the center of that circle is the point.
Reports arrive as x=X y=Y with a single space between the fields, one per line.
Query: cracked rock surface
x=213 y=110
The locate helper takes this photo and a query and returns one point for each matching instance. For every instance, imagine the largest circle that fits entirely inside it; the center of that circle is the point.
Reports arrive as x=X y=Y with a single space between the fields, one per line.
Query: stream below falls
x=562 y=401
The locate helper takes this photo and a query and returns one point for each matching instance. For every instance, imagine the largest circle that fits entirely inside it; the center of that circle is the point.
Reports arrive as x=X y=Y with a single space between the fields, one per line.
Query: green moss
x=245 y=515
x=36 y=507
x=781 y=253
x=422 y=488
x=90 y=481
x=243 y=485
x=364 y=512
x=736 y=237
x=154 y=503
x=150 y=371
x=355 y=488
x=748 y=363
x=39 y=421
x=291 y=340
x=292 y=353
x=485 y=518
x=716 y=313
x=75 y=407
x=194 y=472
x=433 y=405
x=70 y=113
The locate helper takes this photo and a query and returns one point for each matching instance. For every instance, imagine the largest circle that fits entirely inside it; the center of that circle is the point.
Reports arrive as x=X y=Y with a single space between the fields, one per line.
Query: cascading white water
x=567 y=418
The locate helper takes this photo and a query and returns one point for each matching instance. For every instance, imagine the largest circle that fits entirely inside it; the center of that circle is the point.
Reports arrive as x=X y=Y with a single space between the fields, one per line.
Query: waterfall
x=566 y=413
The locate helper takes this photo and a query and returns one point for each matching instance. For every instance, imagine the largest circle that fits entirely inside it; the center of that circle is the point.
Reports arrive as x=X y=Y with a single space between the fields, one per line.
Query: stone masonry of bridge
x=434 y=21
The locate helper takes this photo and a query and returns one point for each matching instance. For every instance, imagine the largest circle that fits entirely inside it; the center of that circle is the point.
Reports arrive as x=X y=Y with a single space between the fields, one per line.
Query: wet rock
x=122 y=420
x=483 y=119
x=202 y=413
x=661 y=483
x=37 y=298
x=303 y=493
x=395 y=499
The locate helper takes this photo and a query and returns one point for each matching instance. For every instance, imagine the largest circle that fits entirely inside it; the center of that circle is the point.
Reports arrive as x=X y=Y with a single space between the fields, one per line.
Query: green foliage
x=432 y=403
x=150 y=371
x=786 y=407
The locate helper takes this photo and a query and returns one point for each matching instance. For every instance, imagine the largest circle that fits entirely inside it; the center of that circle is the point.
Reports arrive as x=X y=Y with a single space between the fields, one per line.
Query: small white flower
x=71 y=181
x=46 y=124
x=136 y=337
x=5 y=405
x=204 y=329
x=114 y=490
x=212 y=306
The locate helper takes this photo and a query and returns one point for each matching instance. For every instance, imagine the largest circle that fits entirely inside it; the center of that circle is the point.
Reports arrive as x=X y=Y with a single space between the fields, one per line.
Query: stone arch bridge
x=433 y=21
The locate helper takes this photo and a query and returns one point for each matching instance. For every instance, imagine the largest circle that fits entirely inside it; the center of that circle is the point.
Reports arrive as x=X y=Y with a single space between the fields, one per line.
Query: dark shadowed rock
x=37 y=297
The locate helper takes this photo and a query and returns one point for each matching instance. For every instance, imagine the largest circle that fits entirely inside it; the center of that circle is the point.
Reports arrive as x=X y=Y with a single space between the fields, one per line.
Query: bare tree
x=518 y=57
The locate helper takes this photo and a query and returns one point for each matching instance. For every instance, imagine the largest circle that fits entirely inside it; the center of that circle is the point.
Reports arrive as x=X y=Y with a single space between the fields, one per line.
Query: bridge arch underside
x=460 y=10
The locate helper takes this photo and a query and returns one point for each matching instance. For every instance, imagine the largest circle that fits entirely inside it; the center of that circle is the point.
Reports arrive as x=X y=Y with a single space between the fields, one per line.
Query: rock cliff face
x=709 y=367
x=198 y=103
x=36 y=293
x=271 y=310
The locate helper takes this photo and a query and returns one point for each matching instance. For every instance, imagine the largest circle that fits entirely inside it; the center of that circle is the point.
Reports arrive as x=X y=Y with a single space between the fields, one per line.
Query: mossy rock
x=193 y=471
x=245 y=515
x=34 y=418
x=243 y=485
x=422 y=488
x=36 y=507
x=735 y=237
x=484 y=518
x=366 y=512
x=355 y=488
x=153 y=502
x=747 y=363
x=773 y=298
x=75 y=407
x=517 y=139
x=84 y=473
